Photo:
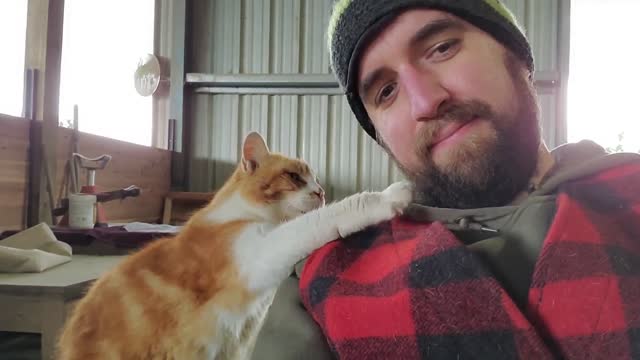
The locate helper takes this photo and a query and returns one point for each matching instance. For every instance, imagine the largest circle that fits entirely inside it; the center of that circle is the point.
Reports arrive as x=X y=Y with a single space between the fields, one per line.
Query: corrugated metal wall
x=288 y=36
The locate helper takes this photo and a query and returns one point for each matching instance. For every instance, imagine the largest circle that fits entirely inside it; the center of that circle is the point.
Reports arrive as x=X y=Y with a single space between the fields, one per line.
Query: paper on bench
x=146 y=227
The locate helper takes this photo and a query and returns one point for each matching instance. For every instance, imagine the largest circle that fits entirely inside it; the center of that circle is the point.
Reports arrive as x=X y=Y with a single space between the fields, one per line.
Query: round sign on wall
x=147 y=75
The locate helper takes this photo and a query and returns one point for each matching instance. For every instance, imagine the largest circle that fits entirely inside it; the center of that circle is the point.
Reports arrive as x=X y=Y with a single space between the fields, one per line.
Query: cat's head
x=282 y=186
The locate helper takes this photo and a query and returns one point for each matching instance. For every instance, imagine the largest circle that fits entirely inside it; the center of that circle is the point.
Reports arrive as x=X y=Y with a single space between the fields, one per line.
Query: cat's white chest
x=235 y=331
x=236 y=322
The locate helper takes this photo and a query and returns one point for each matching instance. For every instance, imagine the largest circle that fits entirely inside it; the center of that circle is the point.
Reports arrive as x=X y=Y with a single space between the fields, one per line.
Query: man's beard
x=481 y=172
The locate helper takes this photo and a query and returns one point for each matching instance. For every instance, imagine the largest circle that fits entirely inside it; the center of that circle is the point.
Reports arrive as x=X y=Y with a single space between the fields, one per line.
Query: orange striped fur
x=204 y=293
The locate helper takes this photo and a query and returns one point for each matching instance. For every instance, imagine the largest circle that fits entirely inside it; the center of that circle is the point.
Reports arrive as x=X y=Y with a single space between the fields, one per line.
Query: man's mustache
x=454 y=111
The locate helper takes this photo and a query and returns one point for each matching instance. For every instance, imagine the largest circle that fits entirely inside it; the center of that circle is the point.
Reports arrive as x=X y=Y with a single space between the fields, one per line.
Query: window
x=604 y=78
x=102 y=43
x=13 y=35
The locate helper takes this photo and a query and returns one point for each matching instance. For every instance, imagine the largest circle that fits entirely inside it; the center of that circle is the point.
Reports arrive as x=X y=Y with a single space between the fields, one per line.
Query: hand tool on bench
x=104 y=196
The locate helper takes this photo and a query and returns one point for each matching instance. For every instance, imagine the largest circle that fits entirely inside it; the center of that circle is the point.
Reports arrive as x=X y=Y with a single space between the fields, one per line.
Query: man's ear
x=254 y=151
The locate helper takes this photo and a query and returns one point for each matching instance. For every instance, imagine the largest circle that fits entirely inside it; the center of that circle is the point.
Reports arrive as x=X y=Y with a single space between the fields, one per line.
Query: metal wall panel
x=255 y=36
x=288 y=36
x=226 y=35
x=374 y=165
x=318 y=128
x=313 y=136
x=285 y=36
x=283 y=129
x=253 y=114
x=225 y=142
x=343 y=149
x=315 y=59
x=548 y=114
x=542 y=31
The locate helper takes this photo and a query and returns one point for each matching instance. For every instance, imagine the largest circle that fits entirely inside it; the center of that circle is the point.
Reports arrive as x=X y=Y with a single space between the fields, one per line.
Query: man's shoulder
x=610 y=169
x=587 y=161
x=375 y=248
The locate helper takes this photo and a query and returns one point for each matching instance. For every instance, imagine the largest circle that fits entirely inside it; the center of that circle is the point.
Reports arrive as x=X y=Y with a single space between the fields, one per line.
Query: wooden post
x=43 y=55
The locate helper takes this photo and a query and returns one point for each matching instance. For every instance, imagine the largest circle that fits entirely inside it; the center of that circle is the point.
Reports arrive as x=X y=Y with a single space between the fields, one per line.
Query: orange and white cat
x=204 y=293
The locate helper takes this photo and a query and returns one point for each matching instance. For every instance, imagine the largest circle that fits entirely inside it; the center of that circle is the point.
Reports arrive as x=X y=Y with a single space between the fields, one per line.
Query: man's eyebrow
x=369 y=81
x=425 y=33
x=434 y=28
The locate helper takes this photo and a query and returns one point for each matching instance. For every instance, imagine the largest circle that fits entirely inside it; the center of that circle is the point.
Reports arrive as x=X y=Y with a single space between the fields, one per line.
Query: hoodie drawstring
x=467 y=223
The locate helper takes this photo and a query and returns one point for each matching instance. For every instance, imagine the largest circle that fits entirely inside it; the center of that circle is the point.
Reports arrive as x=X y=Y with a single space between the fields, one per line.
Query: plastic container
x=82 y=211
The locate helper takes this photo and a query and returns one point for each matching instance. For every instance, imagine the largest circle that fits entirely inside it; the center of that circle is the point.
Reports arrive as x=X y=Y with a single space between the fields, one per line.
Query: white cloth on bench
x=35 y=249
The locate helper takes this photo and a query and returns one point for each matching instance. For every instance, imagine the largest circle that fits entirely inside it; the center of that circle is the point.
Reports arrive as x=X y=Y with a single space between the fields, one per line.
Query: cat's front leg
x=270 y=259
x=343 y=218
x=370 y=208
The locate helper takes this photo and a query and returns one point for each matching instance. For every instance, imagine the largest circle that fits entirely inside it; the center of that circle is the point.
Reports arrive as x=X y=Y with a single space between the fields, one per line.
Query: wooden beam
x=43 y=56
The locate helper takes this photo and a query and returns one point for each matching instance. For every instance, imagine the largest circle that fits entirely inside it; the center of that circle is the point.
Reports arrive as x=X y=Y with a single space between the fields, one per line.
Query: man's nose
x=424 y=92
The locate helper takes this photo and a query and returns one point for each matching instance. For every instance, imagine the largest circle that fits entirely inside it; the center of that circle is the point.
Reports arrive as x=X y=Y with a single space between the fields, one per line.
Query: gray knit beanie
x=354 y=23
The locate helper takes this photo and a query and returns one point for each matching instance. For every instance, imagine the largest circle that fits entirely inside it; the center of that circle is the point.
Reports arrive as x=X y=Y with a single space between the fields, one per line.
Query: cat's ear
x=254 y=150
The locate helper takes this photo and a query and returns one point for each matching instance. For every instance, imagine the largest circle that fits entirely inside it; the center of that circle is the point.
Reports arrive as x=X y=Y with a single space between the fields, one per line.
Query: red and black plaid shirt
x=409 y=290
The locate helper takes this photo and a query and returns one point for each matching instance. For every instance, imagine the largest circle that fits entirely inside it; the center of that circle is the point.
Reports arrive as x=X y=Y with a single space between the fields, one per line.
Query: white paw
x=370 y=208
x=398 y=195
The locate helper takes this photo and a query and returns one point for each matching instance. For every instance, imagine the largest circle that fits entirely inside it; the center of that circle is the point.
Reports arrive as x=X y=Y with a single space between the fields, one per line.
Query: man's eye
x=385 y=93
x=444 y=50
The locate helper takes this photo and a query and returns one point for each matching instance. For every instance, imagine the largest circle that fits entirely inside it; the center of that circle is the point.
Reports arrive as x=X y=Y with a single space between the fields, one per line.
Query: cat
x=204 y=292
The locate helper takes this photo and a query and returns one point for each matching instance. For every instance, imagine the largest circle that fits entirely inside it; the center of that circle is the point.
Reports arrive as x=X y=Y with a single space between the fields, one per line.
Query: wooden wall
x=14 y=170
x=145 y=167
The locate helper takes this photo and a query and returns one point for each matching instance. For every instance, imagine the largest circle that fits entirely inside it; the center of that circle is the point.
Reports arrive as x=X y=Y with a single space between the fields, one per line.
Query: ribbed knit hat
x=354 y=23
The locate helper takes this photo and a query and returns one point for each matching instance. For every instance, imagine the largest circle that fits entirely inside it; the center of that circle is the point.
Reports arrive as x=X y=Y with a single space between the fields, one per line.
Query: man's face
x=453 y=108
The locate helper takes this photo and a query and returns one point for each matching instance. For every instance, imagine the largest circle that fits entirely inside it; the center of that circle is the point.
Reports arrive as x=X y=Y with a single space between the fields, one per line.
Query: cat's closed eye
x=295 y=177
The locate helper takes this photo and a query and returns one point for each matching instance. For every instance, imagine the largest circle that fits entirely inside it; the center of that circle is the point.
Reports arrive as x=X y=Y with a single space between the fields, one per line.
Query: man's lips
x=450 y=131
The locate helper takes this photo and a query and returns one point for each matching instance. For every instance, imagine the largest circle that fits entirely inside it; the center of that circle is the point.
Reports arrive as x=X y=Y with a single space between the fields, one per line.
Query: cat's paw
x=371 y=208
x=398 y=196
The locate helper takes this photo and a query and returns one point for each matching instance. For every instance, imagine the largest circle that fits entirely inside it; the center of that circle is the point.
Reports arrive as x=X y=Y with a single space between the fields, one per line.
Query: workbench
x=40 y=302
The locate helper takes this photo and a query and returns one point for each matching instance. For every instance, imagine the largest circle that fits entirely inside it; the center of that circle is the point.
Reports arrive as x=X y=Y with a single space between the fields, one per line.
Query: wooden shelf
x=187 y=201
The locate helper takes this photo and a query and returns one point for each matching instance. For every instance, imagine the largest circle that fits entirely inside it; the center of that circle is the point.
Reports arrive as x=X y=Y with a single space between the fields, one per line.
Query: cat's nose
x=319 y=194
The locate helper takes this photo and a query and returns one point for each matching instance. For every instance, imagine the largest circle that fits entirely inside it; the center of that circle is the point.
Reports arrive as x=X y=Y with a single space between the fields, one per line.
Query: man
x=511 y=250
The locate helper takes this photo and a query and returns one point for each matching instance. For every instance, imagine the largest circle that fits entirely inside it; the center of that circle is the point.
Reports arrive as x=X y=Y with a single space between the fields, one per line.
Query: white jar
x=82 y=211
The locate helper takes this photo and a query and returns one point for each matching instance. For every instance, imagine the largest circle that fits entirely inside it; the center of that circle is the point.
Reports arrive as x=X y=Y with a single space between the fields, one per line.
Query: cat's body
x=204 y=293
